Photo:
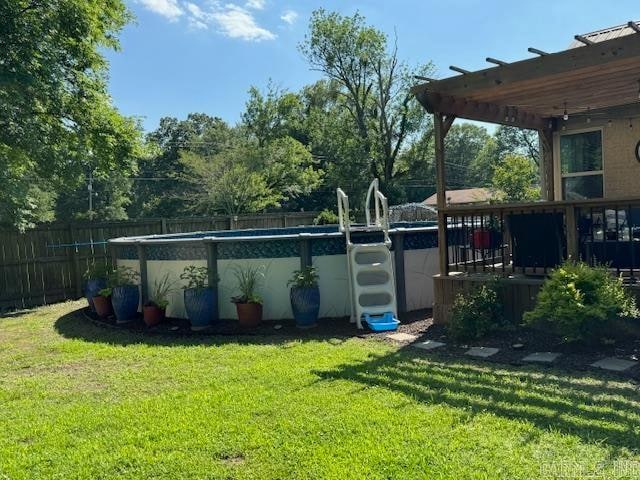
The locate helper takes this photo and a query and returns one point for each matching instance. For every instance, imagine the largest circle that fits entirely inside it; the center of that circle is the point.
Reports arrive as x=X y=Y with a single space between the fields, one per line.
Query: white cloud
x=236 y=22
x=167 y=8
x=289 y=16
x=255 y=4
x=231 y=20
x=197 y=17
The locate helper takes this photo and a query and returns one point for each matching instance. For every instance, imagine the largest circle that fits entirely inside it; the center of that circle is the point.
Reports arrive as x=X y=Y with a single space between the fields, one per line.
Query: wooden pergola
x=599 y=74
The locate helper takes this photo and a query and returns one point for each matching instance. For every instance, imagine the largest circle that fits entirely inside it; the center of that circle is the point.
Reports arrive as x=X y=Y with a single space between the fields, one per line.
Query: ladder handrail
x=385 y=215
x=343 y=214
x=373 y=188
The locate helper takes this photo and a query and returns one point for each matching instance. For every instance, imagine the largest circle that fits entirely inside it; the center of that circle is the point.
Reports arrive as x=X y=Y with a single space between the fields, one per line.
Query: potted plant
x=305 y=296
x=125 y=295
x=102 y=303
x=248 y=303
x=154 y=310
x=95 y=278
x=200 y=299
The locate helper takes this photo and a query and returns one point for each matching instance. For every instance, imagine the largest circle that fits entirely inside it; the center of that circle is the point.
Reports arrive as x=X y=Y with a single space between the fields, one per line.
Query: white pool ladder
x=372 y=285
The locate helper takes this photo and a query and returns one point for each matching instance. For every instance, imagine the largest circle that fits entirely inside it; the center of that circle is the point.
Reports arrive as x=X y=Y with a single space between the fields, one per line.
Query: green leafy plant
x=304 y=278
x=248 y=279
x=326 y=217
x=105 y=292
x=122 y=276
x=161 y=290
x=96 y=270
x=476 y=314
x=196 y=277
x=579 y=303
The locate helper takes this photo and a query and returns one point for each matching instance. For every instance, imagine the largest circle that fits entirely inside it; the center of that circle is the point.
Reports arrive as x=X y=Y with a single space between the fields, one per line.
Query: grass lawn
x=79 y=401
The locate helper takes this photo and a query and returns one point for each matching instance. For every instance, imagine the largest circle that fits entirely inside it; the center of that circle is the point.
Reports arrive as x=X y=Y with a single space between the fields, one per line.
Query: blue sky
x=182 y=56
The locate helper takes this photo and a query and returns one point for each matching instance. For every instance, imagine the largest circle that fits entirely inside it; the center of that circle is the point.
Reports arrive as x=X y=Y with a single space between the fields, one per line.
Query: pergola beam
x=583 y=39
x=538 y=68
x=483 y=112
x=496 y=61
x=537 y=51
x=634 y=26
x=422 y=77
x=459 y=70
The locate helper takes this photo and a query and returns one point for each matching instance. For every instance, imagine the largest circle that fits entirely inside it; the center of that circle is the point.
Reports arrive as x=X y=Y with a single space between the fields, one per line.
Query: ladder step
x=368 y=278
x=378 y=288
x=357 y=269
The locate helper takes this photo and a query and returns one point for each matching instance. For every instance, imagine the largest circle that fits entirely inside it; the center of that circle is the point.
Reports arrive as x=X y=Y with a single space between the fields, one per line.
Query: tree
x=273 y=115
x=56 y=117
x=276 y=173
x=288 y=167
x=159 y=190
x=519 y=141
x=110 y=199
x=514 y=179
x=483 y=165
x=375 y=86
x=463 y=145
x=224 y=184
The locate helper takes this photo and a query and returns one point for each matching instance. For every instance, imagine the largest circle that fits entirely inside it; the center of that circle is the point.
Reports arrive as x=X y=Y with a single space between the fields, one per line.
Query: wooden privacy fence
x=46 y=264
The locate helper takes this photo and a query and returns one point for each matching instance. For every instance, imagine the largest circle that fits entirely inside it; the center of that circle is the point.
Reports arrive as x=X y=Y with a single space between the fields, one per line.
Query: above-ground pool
x=281 y=251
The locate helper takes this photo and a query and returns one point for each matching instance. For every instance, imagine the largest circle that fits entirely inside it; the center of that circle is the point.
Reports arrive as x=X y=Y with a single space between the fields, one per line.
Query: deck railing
x=532 y=238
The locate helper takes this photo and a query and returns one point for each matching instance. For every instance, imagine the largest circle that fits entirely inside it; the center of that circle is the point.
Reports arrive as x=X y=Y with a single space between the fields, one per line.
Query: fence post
x=163 y=226
x=75 y=259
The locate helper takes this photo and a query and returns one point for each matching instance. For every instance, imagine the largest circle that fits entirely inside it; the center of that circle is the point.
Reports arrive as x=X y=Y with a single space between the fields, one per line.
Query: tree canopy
x=57 y=122
x=290 y=150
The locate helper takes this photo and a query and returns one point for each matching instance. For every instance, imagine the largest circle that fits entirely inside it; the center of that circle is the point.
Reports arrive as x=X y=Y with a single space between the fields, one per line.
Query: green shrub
x=476 y=314
x=579 y=302
x=326 y=217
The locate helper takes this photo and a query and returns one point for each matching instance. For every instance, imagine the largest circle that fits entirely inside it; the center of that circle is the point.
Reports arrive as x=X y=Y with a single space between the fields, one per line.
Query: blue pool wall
x=281 y=251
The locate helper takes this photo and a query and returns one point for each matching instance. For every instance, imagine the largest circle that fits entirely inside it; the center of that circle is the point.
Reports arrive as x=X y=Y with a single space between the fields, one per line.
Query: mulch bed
x=517 y=344
x=574 y=357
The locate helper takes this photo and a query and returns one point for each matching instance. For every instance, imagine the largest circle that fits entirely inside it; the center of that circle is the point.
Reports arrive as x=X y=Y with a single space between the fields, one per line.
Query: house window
x=581 y=165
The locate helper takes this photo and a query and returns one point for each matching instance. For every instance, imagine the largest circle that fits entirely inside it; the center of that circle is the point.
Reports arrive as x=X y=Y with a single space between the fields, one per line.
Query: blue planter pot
x=125 y=302
x=91 y=289
x=201 y=305
x=305 y=303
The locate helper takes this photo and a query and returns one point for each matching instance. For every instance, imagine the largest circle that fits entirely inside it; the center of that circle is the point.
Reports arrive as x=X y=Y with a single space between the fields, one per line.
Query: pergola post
x=545 y=137
x=441 y=126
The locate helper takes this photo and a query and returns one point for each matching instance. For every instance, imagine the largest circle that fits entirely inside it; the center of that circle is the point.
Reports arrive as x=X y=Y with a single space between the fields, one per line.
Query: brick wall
x=621 y=169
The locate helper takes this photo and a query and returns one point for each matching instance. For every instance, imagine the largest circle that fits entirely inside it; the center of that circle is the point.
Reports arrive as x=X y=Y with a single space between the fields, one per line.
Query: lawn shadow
x=77 y=325
x=588 y=405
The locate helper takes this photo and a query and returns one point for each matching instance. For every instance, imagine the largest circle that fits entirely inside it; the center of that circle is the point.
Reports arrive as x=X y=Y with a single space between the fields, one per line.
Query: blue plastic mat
x=381 y=323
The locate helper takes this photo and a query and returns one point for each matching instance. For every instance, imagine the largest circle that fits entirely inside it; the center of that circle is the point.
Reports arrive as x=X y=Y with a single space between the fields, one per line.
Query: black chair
x=537 y=239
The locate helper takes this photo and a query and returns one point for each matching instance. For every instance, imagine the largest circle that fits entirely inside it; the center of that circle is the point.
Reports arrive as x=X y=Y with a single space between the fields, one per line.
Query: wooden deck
x=522 y=243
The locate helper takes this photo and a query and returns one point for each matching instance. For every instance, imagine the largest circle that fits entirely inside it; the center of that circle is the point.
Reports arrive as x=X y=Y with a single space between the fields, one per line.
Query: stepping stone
x=428 y=345
x=481 y=352
x=614 y=364
x=402 y=337
x=542 y=357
